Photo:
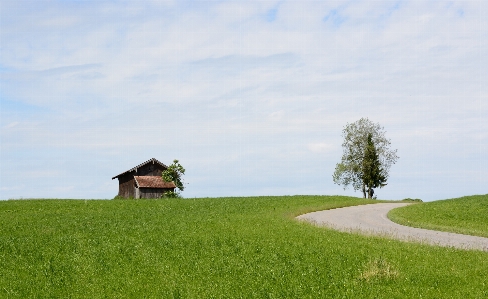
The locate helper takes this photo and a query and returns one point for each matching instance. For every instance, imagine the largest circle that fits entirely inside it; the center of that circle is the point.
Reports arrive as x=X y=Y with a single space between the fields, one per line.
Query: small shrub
x=171 y=194
x=412 y=200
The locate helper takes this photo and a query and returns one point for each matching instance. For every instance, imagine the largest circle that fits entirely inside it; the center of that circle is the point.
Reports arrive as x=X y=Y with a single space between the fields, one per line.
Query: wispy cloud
x=320 y=147
x=335 y=17
x=11 y=125
x=246 y=93
x=66 y=71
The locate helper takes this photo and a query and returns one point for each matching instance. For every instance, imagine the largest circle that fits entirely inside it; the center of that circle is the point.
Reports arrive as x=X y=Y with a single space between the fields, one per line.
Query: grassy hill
x=216 y=248
x=466 y=215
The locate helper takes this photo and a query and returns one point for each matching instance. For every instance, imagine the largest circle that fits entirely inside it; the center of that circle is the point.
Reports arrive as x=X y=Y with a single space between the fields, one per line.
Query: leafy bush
x=171 y=194
x=412 y=199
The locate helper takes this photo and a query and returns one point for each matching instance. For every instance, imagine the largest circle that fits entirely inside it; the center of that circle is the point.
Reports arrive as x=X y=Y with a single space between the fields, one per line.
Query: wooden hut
x=144 y=181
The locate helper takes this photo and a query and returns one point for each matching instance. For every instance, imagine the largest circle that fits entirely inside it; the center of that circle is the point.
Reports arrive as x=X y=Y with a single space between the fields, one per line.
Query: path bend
x=371 y=219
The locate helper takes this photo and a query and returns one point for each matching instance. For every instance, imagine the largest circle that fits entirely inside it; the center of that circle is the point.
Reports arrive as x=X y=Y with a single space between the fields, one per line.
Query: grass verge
x=466 y=215
x=216 y=248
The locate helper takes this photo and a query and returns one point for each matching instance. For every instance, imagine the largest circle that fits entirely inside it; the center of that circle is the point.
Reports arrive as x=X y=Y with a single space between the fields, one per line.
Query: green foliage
x=366 y=158
x=412 y=200
x=372 y=173
x=174 y=174
x=171 y=194
x=465 y=215
x=216 y=248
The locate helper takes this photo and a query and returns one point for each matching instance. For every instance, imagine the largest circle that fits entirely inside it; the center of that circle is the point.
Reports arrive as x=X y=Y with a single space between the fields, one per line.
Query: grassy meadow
x=216 y=248
x=466 y=215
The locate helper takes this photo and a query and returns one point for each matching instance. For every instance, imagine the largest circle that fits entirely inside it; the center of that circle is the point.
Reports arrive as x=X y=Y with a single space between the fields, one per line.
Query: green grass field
x=216 y=248
x=466 y=215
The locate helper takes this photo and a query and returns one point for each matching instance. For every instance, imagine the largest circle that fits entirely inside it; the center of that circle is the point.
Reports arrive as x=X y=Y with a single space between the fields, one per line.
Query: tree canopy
x=366 y=158
x=174 y=173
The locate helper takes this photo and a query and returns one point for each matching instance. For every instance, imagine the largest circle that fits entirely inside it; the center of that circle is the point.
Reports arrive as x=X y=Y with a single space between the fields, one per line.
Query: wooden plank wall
x=127 y=184
x=152 y=192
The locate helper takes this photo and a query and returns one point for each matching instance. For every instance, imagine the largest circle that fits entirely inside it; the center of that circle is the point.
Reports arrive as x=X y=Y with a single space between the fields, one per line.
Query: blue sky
x=250 y=96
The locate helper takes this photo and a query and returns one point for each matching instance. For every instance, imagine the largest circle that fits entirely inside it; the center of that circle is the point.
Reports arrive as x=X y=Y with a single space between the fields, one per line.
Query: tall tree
x=366 y=158
x=373 y=176
x=174 y=173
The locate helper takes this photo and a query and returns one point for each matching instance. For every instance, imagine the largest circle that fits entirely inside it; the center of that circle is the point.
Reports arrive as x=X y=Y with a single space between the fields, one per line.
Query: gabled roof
x=152 y=160
x=152 y=182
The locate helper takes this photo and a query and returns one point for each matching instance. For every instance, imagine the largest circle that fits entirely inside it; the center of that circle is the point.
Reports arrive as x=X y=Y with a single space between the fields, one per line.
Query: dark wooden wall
x=149 y=170
x=127 y=183
x=152 y=192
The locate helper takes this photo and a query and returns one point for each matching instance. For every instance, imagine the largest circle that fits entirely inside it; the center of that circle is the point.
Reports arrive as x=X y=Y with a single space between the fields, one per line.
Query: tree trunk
x=364 y=191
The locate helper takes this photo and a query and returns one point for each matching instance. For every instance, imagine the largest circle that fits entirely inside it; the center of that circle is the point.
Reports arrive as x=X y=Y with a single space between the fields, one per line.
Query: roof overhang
x=152 y=160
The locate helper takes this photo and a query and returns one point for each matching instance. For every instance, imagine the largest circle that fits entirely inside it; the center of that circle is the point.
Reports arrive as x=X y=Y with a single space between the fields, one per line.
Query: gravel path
x=371 y=219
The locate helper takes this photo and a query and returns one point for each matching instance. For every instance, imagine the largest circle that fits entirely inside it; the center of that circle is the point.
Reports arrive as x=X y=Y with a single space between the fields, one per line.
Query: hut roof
x=152 y=160
x=152 y=182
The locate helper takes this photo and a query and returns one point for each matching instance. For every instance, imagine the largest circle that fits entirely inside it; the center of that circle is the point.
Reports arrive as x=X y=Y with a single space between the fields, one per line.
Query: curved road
x=371 y=219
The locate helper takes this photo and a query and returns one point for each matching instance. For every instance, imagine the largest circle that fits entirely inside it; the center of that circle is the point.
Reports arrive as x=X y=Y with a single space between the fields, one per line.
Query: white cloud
x=277 y=115
x=220 y=83
x=11 y=125
x=320 y=147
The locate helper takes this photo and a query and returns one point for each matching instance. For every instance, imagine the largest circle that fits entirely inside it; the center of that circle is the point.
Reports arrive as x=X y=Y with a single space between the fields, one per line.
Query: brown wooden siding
x=126 y=189
x=152 y=192
x=149 y=170
x=127 y=185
